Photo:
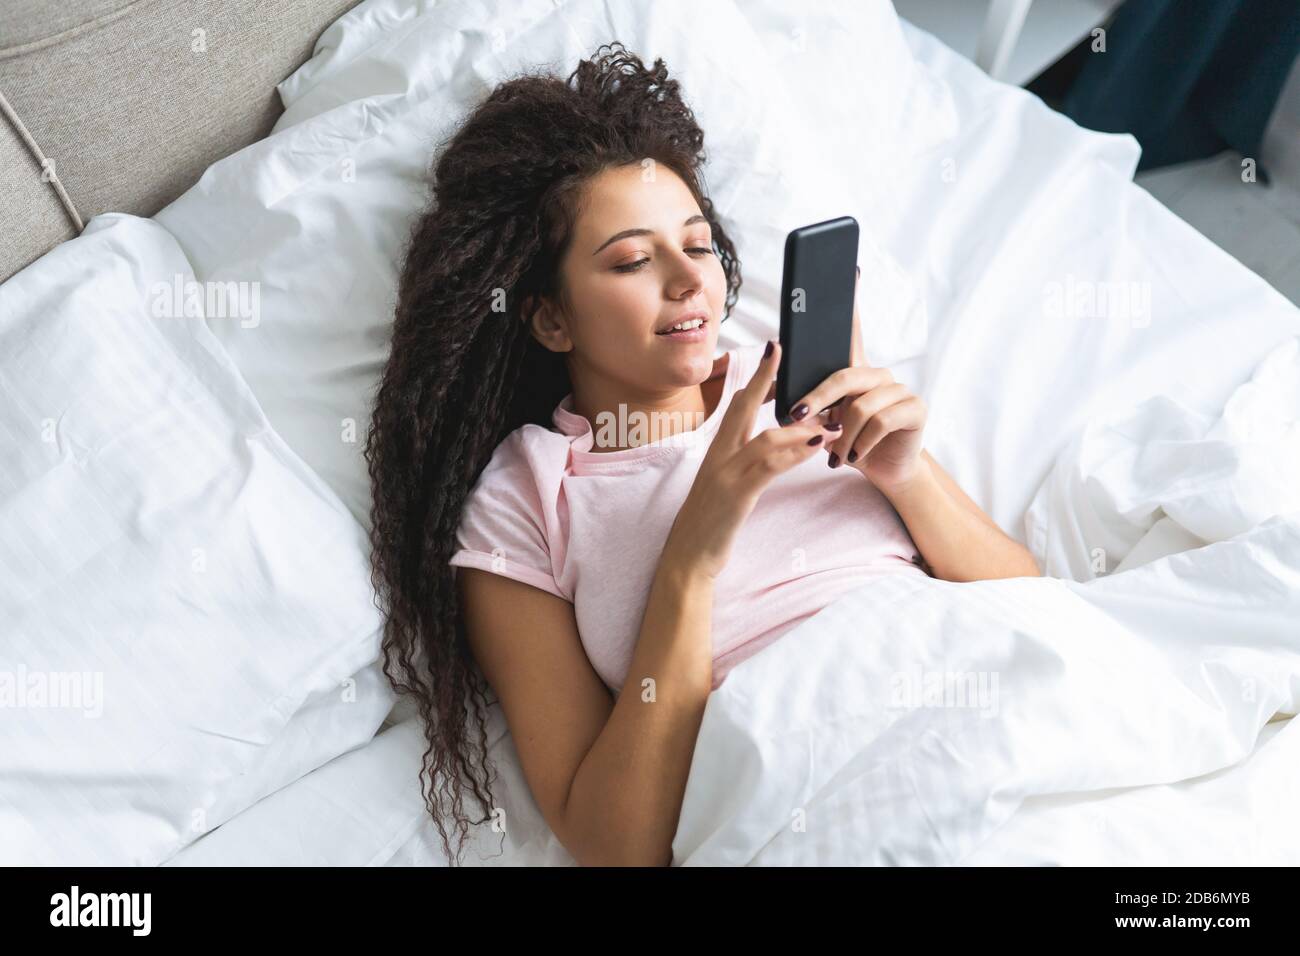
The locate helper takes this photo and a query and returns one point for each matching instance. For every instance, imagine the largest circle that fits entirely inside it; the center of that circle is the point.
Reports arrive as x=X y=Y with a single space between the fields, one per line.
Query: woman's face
x=641 y=259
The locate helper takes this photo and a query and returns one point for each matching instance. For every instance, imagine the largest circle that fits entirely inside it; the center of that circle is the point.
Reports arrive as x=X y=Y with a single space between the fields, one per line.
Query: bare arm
x=882 y=422
x=957 y=539
x=608 y=777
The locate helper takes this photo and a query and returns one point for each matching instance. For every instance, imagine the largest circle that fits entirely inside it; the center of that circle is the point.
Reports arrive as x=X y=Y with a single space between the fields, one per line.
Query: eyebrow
x=642 y=231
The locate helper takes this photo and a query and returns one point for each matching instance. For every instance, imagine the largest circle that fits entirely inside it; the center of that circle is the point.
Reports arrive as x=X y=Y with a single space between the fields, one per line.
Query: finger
x=833 y=422
x=738 y=422
x=847 y=381
x=903 y=416
x=775 y=450
x=857 y=413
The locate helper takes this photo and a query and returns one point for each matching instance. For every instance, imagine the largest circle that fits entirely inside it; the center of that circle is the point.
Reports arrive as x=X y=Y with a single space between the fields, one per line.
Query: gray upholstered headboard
x=128 y=101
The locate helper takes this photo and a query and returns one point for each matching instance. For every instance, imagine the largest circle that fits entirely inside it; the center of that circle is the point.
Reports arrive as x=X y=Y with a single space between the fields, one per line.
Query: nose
x=687 y=277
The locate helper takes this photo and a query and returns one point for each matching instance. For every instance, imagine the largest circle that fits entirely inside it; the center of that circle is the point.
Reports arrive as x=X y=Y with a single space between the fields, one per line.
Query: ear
x=545 y=323
x=526 y=309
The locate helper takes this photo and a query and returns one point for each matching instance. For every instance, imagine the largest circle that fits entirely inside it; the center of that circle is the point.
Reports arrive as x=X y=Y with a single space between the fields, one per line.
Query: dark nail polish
x=834 y=426
x=798 y=412
x=815 y=440
x=767 y=352
x=834 y=460
x=853 y=456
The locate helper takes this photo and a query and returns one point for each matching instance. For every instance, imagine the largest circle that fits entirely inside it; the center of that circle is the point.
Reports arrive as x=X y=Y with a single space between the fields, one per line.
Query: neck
x=620 y=422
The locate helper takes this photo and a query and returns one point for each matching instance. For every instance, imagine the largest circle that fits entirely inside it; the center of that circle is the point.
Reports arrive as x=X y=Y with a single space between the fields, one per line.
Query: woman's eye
x=634 y=266
x=638 y=263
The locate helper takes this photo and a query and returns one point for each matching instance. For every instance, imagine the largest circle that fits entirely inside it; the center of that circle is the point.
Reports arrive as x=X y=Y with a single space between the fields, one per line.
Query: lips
x=667 y=328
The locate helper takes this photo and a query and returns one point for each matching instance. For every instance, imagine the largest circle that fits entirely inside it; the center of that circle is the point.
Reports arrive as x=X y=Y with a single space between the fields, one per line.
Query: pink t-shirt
x=589 y=527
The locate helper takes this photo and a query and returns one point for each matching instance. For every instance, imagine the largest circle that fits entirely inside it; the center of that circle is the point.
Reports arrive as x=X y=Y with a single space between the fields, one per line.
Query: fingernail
x=767 y=352
x=853 y=456
x=815 y=440
x=834 y=460
x=798 y=412
x=834 y=426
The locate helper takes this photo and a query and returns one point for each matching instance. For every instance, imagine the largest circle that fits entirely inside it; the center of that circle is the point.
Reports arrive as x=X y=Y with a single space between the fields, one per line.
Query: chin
x=693 y=364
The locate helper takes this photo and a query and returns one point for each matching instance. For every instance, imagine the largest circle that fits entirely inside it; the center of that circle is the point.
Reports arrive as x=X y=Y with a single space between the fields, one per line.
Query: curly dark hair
x=465 y=372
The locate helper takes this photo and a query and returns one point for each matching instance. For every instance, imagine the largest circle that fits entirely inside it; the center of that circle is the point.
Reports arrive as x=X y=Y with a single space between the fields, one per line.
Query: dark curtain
x=1188 y=78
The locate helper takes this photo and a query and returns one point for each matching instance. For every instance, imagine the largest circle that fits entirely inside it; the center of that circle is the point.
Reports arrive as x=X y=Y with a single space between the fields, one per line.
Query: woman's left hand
x=882 y=419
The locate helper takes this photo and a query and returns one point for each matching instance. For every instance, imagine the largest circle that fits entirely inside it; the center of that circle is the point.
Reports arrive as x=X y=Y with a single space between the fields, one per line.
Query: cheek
x=717 y=279
x=627 y=304
x=609 y=304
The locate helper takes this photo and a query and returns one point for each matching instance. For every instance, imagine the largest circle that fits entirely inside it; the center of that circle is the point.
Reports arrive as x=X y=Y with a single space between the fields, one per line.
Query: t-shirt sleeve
x=503 y=524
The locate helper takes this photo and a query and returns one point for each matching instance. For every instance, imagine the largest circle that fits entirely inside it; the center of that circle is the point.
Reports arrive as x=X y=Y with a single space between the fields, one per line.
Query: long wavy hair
x=465 y=370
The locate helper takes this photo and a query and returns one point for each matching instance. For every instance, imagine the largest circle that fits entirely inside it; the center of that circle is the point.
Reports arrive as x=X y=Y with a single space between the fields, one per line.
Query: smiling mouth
x=692 y=326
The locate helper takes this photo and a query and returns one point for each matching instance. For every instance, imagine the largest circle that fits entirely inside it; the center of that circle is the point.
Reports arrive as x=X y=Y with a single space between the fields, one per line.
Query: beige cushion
x=34 y=220
x=132 y=99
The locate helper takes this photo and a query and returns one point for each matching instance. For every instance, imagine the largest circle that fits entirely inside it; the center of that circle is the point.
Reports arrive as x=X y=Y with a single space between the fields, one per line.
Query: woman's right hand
x=736 y=470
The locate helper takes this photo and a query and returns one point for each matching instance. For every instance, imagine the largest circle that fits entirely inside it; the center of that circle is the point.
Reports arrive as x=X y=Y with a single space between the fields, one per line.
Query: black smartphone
x=817 y=288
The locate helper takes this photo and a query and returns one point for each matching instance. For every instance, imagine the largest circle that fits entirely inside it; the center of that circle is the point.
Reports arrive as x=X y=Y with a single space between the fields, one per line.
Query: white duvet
x=908 y=721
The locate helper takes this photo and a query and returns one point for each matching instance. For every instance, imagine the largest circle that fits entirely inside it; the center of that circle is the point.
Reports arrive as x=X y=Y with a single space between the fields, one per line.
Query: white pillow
x=831 y=79
x=834 y=58
x=319 y=213
x=194 y=594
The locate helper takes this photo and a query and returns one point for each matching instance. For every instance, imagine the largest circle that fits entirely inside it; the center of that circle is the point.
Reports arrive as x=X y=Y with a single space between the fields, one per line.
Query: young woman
x=569 y=274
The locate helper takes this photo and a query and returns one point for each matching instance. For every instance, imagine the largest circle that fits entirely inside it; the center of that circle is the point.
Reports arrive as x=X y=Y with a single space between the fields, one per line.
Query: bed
x=1117 y=393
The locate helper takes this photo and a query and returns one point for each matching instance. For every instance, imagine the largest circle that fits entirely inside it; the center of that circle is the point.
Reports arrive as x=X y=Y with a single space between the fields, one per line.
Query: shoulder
x=529 y=448
x=517 y=487
x=527 y=464
x=510 y=522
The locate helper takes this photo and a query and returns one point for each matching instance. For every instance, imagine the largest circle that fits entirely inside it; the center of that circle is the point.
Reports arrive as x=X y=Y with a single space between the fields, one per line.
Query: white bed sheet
x=361 y=810
x=1015 y=203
